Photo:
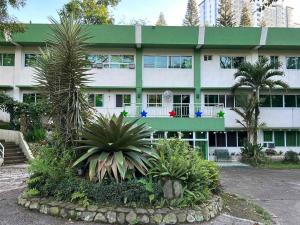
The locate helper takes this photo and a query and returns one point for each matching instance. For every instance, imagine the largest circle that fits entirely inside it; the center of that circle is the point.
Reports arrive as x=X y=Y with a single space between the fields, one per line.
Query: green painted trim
x=197 y=75
x=139 y=75
x=169 y=88
x=183 y=124
x=6 y=87
x=27 y=87
x=110 y=88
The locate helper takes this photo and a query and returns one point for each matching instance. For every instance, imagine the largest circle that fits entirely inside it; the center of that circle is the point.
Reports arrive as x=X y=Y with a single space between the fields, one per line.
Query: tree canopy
x=245 y=17
x=226 y=17
x=191 y=17
x=8 y=23
x=90 y=11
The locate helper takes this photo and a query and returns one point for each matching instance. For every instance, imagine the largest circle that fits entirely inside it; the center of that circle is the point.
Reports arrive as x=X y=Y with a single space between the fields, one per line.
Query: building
x=277 y=15
x=181 y=77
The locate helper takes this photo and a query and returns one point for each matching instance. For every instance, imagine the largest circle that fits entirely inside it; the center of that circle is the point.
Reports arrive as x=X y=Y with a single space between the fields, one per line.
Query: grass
x=280 y=165
x=243 y=208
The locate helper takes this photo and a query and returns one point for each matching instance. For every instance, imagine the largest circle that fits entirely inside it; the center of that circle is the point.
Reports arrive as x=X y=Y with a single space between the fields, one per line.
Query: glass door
x=181 y=105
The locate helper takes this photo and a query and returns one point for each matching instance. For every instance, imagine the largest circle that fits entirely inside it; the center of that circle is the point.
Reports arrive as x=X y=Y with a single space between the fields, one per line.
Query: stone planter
x=172 y=188
x=124 y=215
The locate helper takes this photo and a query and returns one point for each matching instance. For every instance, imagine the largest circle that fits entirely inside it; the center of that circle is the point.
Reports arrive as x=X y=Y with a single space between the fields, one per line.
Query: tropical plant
x=161 y=20
x=258 y=76
x=61 y=76
x=114 y=146
x=191 y=17
x=253 y=154
x=245 y=17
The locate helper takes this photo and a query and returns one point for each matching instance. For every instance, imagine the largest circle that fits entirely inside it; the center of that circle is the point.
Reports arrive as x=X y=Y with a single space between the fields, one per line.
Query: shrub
x=177 y=161
x=291 y=157
x=114 y=146
x=253 y=154
x=37 y=133
x=270 y=151
x=128 y=192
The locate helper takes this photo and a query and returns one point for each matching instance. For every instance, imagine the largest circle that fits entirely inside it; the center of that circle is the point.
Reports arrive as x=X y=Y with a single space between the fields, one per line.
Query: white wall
x=157 y=77
x=211 y=73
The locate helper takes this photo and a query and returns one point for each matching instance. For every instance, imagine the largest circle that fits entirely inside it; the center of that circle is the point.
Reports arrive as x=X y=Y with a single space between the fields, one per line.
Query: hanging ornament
x=221 y=114
x=143 y=113
x=124 y=113
x=198 y=114
x=172 y=114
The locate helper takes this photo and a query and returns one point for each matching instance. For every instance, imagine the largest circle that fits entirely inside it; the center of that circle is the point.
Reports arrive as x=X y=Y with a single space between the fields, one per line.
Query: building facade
x=277 y=15
x=175 y=79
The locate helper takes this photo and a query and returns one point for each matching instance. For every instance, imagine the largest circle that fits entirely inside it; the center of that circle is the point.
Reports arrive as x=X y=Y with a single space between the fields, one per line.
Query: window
x=274 y=62
x=177 y=62
x=30 y=59
x=221 y=139
x=229 y=101
x=201 y=135
x=240 y=100
x=111 y=61
x=123 y=100
x=277 y=101
x=95 y=100
x=298 y=100
x=268 y=136
x=228 y=62
x=242 y=138
x=292 y=63
x=154 y=100
x=207 y=57
x=159 y=135
x=231 y=139
x=31 y=98
x=265 y=100
x=7 y=59
x=291 y=138
x=289 y=101
x=279 y=138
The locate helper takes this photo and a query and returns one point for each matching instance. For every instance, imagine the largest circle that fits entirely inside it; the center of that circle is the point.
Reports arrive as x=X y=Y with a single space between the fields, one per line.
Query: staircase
x=13 y=153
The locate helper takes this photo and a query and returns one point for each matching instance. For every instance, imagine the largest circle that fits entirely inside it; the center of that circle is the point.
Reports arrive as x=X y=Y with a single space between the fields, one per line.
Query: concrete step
x=13 y=153
x=12 y=162
x=12 y=157
x=17 y=149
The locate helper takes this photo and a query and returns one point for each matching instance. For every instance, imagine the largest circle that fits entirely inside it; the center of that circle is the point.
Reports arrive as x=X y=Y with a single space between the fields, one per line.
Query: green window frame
x=123 y=100
x=279 y=138
x=31 y=98
x=7 y=59
x=277 y=100
x=291 y=63
x=274 y=61
x=153 y=61
x=111 y=61
x=268 y=136
x=291 y=138
x=95 y=100
x=231 y=62
x=30 y=59
x=290 y=101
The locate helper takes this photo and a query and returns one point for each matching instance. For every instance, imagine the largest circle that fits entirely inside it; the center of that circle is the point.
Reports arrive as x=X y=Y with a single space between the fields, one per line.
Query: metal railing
x=1 y=151
x=164 y=110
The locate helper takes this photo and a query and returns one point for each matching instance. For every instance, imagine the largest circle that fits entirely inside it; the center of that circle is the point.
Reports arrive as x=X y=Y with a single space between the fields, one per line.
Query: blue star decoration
x=198 y=114
x=124 y=113
x=221 y=114
x=143 y=113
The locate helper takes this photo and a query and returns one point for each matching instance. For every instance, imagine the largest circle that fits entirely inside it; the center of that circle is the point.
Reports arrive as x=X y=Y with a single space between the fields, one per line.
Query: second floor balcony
x=165 y=110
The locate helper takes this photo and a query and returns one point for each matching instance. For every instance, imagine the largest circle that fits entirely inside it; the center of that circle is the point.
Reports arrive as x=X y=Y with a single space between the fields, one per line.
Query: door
x=181 y=105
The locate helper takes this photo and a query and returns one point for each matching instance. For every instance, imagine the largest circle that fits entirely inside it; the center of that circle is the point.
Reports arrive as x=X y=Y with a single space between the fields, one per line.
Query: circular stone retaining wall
x=122 y=215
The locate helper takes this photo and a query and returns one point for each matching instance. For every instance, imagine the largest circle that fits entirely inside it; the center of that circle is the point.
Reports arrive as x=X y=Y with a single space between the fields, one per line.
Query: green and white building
x=181 y=71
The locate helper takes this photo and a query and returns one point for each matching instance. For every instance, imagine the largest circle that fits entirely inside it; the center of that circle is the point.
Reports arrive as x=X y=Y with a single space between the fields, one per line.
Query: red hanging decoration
x=172 y=113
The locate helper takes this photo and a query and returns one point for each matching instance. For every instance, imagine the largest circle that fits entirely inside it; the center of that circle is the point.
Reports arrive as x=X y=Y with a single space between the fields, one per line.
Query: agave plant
x=114 y=146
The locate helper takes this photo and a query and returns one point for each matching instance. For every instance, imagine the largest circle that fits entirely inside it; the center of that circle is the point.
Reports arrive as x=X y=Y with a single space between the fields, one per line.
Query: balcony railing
x=165 y=110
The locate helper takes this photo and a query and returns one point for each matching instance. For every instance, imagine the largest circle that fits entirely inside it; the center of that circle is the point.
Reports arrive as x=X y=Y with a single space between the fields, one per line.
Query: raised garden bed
x=123 y=215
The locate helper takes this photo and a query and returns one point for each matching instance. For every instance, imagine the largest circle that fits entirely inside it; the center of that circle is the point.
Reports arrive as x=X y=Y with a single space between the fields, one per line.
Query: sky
x=38 y=11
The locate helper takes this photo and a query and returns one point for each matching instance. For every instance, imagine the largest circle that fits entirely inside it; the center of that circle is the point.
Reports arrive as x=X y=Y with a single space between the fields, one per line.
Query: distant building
x=277 y=15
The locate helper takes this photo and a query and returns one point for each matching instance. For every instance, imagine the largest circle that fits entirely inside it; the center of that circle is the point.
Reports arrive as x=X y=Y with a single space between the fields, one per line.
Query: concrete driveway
x=278 y=191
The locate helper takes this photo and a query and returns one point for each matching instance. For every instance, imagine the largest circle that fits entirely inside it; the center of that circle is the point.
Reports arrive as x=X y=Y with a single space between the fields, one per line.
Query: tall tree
x=191 y=17
x=161 y=20
x=258 y=76
x=90 y=11
x=8 y=23
x=245 y=17
x=264 y=3
x=225 y=17
x=61 y=76
x=263 y=23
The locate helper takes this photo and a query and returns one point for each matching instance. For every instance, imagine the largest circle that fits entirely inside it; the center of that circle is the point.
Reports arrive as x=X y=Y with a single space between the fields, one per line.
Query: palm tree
x=61 y=76
x=258 y=76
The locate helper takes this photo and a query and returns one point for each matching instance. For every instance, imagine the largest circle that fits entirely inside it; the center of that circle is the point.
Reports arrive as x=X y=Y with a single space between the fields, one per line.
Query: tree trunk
x=256 y=115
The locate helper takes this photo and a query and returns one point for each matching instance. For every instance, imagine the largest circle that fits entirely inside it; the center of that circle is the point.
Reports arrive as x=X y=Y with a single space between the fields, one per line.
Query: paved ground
x=12 y=183
x=278 y=191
